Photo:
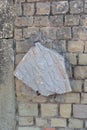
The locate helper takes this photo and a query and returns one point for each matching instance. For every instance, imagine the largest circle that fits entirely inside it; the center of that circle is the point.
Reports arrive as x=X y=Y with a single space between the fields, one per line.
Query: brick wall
x=61 y=25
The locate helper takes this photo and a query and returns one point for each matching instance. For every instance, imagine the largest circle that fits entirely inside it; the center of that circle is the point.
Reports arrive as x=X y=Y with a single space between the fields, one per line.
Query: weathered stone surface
x=75 y=123
x=76 y=85
x=85 y=86
x=28 y=128
x=83 y=59
x=44 y=82
x=49 y=110
x=41 y=21
x=65 y=110
x=60 y=7
x=28 y=109
x=59 y=45
x=6 y=19
x=56 y=21
x=80 y=33
x=72 y=20
x=76 y=7
x=23 y=21
x=75 y=46
x=28 y=9
x=25 y=121
x=41 y=122
x=80 y=111
x=49 y=32
x=64 y=33
x=83 y=20
x=84 y=98
x=85 y=6
x=80 y=72
x=72 y=98
x=43 y=8
x=7 y=95
x=58 y=122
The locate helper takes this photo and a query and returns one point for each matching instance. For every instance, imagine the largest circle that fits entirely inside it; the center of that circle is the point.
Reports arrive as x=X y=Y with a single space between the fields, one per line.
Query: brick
x=49 y=32
x=18 y=34
x=29 y=9
x=85 y=86
x=56 y=21
x=26 y=109
x=76 y=85
x=49 y=129
x=64 y=33
x=71 y=58
x=85 y=6
x=71 y=20
x=59 y=45
x=28 y=32
x=28 y=128
x=83 y=20
x=23 y=21
x=80 y=72
x=75 y=123
x=72 y=98
x=85 y=47
x=41 y=21
x=85 y=123
x=84 y=98
x=76 y=7
x=65 y=110
x=80 y=111
x=23 y=46
x=26 y=94
x=60 y=7
x=58 y=122
x=43 y=8
x=18 y=9
x=65 y=128
x=80 y=33
x=19 y=58
x=83 y=59
x=75 y=46
x=49 y=110
x=25 y=121
x=41 y=122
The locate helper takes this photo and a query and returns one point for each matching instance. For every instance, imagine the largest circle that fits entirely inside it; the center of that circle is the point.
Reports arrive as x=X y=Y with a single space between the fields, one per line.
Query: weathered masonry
x=60 y=25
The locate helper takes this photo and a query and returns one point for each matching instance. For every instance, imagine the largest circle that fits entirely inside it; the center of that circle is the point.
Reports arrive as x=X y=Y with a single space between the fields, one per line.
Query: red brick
x=49 y=129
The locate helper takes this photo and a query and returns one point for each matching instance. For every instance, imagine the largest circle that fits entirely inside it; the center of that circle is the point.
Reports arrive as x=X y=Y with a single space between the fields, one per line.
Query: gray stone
x=60 y=7
x=76 y=7
x=7 y=95
x=38 y=69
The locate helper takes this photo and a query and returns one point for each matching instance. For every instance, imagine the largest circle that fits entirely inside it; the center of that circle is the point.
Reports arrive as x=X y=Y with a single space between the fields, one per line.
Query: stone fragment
x=80 y=72
x=64 y=33
x=80 y=111
x=83 y=59
x=58 y=122
x=71 y=20
x=44 y=83
x=76 y=85
x=76 y=7
x=26 y=109
x=49 y=110
x=43 y=8
x=75 y=123
x=28 y=9
x=25 y=121
x=60 y=7
x=65 y=110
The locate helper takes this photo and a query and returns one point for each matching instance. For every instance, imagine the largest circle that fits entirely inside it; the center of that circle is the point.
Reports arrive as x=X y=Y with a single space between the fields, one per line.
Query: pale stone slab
x=44 y=71
x=7 y=95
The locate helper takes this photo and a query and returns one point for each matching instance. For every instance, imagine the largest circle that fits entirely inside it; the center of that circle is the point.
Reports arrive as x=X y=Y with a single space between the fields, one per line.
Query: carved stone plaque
x=44 y=71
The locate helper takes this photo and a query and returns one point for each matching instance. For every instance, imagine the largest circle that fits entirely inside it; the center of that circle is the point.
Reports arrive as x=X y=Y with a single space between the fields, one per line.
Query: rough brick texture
x=60 y=25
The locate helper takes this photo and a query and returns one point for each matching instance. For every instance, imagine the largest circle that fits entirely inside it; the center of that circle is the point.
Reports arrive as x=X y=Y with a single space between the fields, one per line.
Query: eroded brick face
x=60 y=25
